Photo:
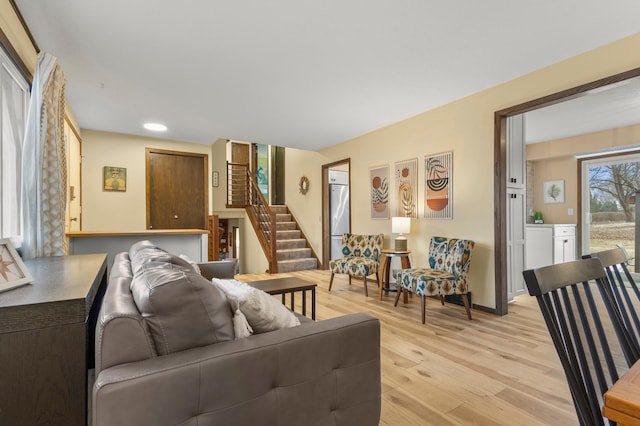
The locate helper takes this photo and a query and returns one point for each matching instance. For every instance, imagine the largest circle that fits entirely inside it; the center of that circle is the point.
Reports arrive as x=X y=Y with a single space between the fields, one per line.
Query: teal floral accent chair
x=360 y=258
x=449 y=260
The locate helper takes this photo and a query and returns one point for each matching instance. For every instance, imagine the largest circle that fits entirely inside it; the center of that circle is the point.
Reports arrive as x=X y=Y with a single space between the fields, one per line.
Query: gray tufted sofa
x=165 y=355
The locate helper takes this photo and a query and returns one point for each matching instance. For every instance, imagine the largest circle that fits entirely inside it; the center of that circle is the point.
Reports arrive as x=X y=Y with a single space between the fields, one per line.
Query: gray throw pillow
x=182 y=309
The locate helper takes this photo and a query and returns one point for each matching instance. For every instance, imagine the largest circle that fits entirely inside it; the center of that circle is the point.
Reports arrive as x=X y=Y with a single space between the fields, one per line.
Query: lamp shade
x=400 y=225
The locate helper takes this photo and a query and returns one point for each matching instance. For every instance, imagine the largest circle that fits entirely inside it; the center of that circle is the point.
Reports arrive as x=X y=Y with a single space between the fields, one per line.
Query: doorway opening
x=501 y=177
x=336 y=207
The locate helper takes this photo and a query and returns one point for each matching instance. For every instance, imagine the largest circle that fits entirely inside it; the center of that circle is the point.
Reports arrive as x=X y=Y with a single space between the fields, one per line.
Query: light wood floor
x=489 y=371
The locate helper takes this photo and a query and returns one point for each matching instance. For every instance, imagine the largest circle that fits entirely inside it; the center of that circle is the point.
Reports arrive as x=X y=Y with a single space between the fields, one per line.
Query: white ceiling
x=300 y=73
x=609 y=107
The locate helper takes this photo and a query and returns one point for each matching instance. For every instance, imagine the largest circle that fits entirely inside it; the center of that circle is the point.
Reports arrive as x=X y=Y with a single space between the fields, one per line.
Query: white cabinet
x=539 y=246
x=338 y=177
x=516 y=207
x=516 y=158
x=550 y=244
x=564 y=243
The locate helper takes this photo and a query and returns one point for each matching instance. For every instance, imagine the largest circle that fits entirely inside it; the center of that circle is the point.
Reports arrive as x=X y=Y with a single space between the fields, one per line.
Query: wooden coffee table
x=289 y=285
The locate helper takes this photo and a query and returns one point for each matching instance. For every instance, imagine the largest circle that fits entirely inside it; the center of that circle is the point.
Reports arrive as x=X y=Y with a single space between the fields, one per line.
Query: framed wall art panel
x=438 y=197
x=406 y=173
x=379 y=187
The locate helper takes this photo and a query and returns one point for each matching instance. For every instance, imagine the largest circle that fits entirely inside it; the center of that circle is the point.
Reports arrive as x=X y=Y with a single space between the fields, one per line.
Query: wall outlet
x=570 y=211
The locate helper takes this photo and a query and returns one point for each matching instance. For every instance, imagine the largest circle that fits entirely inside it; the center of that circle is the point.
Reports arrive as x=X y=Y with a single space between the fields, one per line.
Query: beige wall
x=556 y=160
x=307 y=208
x=219 y=164
x=104 y=210
x=121 y=211
x=561 y=168
x=465 y=127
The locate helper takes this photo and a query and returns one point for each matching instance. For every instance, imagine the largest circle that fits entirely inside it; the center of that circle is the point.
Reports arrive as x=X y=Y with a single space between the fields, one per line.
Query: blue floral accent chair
x=449 y=260
x=360 y=258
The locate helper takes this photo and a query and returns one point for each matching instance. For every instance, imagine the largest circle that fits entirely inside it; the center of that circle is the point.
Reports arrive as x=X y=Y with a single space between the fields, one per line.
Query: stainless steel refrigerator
x=339 y=204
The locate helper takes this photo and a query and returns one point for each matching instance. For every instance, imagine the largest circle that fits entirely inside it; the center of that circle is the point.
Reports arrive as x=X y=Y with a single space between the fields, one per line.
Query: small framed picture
x=553 y=191
x=114 y=178
x=13 y=272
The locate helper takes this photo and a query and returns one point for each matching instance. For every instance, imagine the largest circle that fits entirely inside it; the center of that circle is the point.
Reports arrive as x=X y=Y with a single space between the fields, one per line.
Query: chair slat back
x=586 y=330
x=451 y=255
x=623 y=288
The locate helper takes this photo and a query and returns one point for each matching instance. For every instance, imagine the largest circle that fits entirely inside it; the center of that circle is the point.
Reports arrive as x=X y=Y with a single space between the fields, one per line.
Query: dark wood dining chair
x=624 y=289
x=593 y=345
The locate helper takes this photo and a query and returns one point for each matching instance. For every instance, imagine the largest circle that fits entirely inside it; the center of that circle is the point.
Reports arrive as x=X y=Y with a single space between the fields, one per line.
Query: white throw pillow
x=263 y=312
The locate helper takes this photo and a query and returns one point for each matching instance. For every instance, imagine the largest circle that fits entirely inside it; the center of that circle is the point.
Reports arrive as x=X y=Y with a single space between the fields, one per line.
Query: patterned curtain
x=44 y=164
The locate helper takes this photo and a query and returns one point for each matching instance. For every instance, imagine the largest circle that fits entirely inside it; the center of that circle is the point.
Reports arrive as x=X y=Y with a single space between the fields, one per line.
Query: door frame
x=326 y=209
x=500 y=165
x=77 y=192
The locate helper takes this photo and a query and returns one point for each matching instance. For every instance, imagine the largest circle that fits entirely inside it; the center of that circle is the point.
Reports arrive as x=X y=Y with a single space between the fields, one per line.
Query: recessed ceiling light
x=156 y=127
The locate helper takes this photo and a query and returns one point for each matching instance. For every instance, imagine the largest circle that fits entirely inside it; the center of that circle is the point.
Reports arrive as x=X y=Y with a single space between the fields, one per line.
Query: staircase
x=292 y=253
x=290 y=250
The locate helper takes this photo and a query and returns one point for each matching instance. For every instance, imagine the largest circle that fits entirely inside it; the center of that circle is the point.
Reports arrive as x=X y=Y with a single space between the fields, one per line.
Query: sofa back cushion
x=122 y=335
x=145 y=251
x=182 y=309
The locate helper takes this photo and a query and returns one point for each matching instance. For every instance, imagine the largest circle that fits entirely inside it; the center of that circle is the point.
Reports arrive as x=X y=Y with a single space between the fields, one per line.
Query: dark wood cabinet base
x=46 y=340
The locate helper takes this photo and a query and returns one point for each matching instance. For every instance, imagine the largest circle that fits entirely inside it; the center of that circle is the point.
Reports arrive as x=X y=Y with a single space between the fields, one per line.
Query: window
x=14 y=101
x=609 y=187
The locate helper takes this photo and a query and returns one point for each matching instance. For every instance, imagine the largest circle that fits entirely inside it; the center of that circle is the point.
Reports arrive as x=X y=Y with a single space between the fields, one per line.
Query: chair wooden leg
x=442 y=299
x=331 y=281
x=364 y=279
x=349 y=279
x=400 y=290
x=424 y=309
x=465 y=300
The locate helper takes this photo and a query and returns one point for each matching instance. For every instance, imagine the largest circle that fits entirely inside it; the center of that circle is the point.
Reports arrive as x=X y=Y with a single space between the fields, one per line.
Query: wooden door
x=236 y=177
x=176 y=190
x=277 y=175
x=240 y=152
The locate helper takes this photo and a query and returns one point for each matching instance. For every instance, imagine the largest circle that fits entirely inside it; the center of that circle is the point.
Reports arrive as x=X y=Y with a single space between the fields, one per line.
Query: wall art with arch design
x=438 y=196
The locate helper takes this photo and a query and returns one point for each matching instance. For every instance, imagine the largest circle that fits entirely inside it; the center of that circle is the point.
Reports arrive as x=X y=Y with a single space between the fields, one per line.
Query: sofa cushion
x=183 y=310
x=191 y=262
x=263 y=312
x=145 y=251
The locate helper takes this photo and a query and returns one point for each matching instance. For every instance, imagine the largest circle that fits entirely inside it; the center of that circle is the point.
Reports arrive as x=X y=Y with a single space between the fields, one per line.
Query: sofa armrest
x=223 y=269
x=317 y=373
